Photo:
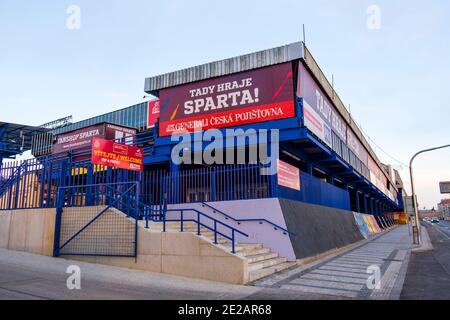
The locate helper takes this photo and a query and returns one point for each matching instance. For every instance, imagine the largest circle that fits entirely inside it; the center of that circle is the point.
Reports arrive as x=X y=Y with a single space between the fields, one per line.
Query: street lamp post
x=416 y=233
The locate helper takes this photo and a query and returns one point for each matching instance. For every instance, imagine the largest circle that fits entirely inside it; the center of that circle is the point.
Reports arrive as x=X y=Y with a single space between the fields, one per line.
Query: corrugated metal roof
x=246 y=62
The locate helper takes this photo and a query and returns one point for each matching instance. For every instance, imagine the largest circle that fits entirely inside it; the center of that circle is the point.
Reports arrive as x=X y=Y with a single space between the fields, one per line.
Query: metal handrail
x=162 y=212
x=239 y=221
x=200 y=214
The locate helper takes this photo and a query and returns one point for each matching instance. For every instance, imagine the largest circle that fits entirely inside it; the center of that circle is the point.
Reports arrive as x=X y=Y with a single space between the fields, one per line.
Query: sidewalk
x=29 y=276
x=345 y=275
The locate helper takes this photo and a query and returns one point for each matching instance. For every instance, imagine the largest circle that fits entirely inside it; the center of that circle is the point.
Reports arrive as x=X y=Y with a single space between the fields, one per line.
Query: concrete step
x=243 y=248
x=261 y=257
x=265 y=263
x=265 y=272
x=220 y=240
x=254 y=252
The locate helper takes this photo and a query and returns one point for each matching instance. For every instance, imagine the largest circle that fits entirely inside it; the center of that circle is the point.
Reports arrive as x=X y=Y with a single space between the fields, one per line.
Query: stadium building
x=328 y=190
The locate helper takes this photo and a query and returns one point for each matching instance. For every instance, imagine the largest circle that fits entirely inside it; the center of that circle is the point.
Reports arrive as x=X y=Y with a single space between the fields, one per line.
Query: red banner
x=288 y=175
x=117 y=155
x=238 y=99
x=153 y=113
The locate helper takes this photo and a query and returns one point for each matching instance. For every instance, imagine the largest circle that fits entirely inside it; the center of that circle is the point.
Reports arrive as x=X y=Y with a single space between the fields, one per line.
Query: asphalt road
x=428 y=276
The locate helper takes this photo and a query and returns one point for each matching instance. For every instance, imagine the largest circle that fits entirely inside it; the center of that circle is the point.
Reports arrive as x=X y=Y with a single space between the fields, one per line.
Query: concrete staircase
x=261 y=261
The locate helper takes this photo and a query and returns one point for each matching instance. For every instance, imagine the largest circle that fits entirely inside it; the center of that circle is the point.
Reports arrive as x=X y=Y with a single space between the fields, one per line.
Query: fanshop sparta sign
x=238 y=99
x=117 y=155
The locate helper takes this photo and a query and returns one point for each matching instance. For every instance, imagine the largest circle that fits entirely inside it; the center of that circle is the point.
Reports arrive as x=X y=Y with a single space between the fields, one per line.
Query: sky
x=390 y=65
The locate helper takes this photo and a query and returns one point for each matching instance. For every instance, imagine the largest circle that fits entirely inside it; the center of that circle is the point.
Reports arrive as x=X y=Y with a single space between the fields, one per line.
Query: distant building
x=433 y=213
x=444 y=209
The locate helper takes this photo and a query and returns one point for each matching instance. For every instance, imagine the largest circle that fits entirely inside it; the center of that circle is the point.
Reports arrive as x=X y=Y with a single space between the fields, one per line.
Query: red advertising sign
x=153 y=112
x=238 y=99
x=81 y=139
x=288 y=175
x=112 y=154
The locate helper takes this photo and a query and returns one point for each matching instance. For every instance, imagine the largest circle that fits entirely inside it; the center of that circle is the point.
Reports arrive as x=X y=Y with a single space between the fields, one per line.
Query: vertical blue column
x=109 y=193
x=17 y=187
x=309 y=168
x=348 y=199
x=358 y=207
x=60 y=197
x=89 y=182
x=213 y=184
x=366 y=210
x=175 y=180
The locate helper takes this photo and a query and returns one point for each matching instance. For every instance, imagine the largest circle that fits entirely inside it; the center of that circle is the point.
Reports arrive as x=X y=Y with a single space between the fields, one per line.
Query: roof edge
x=259 y=59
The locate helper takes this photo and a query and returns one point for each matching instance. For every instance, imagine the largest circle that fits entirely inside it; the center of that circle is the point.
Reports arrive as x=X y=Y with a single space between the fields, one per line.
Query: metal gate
x=97 y=220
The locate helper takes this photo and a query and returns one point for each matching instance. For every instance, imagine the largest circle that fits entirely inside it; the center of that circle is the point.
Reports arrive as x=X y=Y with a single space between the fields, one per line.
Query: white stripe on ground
x=356 y=265
x=339 y=273
x=336 y=278
x=332 y=292
x=360 y=262
x=328 y=284
x=333 y=268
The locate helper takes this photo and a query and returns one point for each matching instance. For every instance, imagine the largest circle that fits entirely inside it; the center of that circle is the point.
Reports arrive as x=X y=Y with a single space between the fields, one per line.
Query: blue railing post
x=89 y=181
x=182 y=220
x=213 y=184
x=136 y=216
x=215 y=231
x=49 y=185
x=109 y=179
x=24 y=184
x=17 y=187
x=233 y=249
x=174 y=182
x=164 y=222
x=62 y=183
x=59 y=210
x=198 y=223
x=42 y=183
x=146 y=210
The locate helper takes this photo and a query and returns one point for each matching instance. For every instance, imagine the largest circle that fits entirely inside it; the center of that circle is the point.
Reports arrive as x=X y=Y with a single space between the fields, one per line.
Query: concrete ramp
x=362 y=225
x=319 y=229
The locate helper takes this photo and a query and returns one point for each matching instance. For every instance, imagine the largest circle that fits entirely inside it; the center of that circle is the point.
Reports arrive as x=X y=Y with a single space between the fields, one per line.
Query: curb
x=426 y=242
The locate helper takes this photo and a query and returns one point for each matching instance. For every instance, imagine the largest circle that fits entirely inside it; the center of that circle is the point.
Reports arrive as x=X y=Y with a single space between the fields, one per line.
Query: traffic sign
x=445 y=187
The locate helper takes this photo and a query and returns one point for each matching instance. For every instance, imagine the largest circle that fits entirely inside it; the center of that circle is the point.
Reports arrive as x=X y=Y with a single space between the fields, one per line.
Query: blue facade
x=331 y=174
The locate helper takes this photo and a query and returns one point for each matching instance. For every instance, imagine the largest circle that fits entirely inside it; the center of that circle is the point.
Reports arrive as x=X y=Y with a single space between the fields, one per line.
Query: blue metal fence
x=316 y=191
x=34 y=184
x=87 y=224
